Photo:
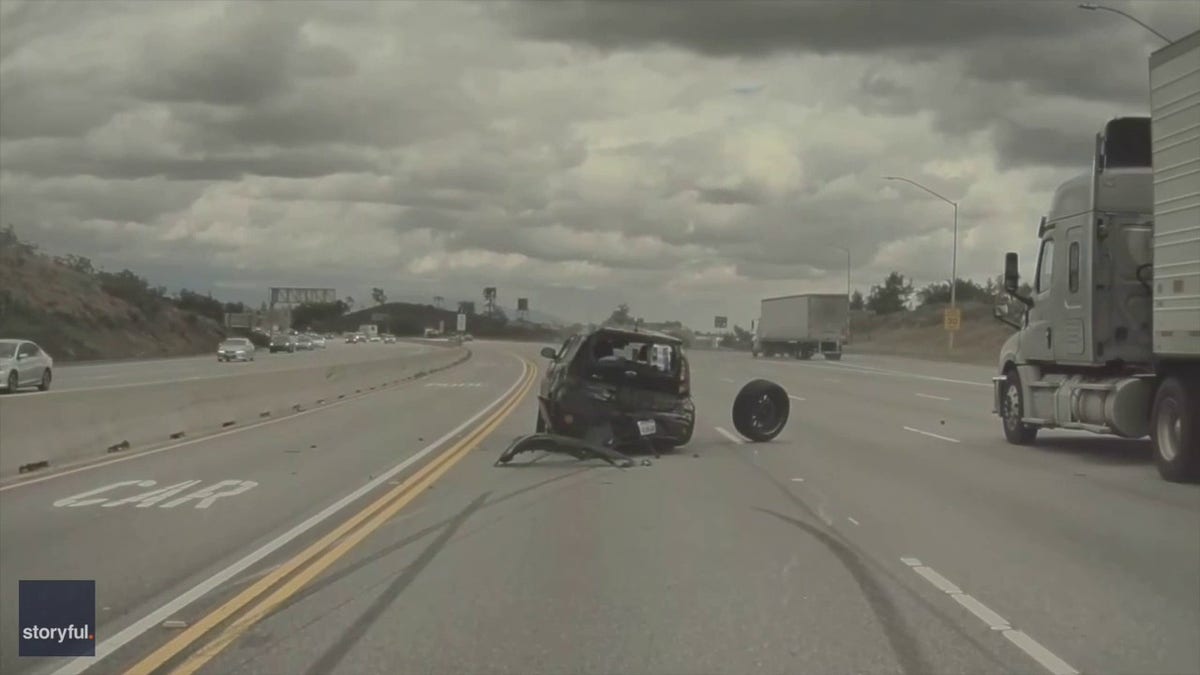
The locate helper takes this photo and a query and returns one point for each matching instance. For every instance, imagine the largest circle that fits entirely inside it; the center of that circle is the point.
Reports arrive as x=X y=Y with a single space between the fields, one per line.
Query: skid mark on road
x=900 y=637
x=329 y=661
x=1046 y=658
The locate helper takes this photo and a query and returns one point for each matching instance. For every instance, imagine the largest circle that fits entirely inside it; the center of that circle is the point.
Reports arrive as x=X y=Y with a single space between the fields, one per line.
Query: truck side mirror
x=549 y=353
x=1012 y=275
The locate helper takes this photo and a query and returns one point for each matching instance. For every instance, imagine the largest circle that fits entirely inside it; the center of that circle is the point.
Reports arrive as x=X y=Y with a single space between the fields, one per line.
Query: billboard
x=291 y=297
x=522 y=304
x=239 y=319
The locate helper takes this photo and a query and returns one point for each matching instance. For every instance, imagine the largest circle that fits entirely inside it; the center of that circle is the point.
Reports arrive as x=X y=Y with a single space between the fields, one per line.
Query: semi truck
x=802 y=325
x=1109 y=340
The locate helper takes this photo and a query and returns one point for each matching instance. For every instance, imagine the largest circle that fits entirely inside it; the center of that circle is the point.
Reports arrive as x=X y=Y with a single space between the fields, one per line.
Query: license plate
x=647 y=427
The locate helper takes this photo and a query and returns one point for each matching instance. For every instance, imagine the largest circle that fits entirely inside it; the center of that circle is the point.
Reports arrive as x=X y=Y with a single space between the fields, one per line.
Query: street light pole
x=953 y=256
x=848 y=291
x=1092 y=7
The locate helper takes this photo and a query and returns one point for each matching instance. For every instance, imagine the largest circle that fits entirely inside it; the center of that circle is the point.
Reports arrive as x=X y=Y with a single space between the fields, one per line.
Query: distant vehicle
x=389 y=340
x=305 y=343
x=24 y=364
x=432 y=332
x=282 y=343
x=370 y=330
x=235 y=349
x=1109 y=339
x=802 y=325
x=351 y=339
x=375 y=338
x=317 y=341
x=467 y=337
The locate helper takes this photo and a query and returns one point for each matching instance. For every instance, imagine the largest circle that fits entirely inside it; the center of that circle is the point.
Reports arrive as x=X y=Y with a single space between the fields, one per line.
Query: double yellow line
x=315 y=559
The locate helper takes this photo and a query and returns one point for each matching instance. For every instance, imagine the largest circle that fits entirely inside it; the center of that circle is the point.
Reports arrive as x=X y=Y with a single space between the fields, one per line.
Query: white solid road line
x=797 y=480
x=936 y=398
x=1046 y=658
x=932 y=435
x=796 y=398
x=729 y=435
x=137 y=628
x=852 y=520
x=727 y=379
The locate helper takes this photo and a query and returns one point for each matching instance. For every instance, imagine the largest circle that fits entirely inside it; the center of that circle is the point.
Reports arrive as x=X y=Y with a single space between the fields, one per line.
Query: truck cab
x=1104 y=294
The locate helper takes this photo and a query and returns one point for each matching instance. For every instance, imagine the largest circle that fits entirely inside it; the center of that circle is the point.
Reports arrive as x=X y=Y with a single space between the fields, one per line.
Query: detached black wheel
x=44 y=385
x=1175 y=432
x=760 y=410
x=1012 y=409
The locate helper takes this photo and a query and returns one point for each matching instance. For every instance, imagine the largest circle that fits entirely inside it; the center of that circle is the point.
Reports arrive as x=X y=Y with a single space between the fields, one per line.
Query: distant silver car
x=235 y=349
x=24 y=364
x=389 y=340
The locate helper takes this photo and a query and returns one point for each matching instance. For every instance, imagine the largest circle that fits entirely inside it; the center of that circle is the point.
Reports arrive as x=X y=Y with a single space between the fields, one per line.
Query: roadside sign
x=952 y=319
x=462 y=322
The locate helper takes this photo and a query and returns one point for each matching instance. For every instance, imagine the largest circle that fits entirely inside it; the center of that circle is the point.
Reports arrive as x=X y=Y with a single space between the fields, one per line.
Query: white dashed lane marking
x=1046 y=658
x=932 y=435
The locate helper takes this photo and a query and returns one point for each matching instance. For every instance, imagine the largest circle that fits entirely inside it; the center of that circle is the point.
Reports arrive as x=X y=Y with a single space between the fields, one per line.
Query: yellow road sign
x=952 y=319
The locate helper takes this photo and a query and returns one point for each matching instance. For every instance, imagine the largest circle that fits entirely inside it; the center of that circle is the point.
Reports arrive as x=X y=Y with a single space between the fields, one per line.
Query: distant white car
x=236 y=349
x=24 y=364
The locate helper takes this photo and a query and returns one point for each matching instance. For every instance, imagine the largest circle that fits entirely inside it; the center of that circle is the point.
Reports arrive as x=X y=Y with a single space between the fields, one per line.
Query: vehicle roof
x=632 y=334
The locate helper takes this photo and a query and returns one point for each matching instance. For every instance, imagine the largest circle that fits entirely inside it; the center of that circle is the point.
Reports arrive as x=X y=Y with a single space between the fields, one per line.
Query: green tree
x=378 y=296
x=856 y=300
x=893 y=296
x=620 y=316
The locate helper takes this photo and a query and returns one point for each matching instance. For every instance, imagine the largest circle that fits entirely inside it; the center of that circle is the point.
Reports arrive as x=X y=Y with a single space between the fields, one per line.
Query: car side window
x=28 y=349
x=1045 y=266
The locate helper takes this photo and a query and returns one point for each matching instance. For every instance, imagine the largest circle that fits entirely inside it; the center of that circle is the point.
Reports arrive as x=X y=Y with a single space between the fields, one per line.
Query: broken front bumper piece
x=566 y=445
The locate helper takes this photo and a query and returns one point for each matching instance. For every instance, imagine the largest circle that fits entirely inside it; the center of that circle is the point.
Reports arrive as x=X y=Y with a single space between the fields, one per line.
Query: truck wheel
x=1012 y=409
x=760 y=410
x=1175 y=433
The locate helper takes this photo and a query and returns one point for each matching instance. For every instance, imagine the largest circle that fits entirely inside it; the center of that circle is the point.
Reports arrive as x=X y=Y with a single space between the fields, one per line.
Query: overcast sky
x=688 y=158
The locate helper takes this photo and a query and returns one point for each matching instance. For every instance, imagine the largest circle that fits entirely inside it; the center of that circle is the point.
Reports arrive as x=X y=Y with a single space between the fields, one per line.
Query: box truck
x=802 y=325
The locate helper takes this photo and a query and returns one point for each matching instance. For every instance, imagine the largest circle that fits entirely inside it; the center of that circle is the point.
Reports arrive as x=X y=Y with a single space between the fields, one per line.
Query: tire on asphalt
x=13 y=382
x=1012 y=409
x=760 y=410
x=1175 y=432
x=44 y=385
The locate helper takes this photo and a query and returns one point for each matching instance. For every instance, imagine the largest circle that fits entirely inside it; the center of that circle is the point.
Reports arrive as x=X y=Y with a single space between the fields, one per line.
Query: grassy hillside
x=76 y=313
x=919 y=333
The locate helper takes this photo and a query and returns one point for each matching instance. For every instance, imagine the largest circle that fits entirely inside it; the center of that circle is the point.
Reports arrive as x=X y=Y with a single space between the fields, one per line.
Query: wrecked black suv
x=618 y=387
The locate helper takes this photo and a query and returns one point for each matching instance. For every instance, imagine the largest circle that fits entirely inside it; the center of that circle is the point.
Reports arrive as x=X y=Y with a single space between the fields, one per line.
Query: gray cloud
x=680 y=156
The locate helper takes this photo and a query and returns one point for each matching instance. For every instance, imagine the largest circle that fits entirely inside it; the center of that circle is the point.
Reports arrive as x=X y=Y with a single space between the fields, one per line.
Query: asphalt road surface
x=119 y=373
x=889 y=529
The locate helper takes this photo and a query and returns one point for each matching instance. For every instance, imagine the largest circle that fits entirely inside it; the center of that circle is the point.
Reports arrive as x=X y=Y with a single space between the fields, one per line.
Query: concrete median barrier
x=40 y=431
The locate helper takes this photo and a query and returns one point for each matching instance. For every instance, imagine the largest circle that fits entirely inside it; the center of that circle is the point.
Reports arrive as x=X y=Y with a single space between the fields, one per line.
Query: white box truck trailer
x=802 y=325
x=1110 y=338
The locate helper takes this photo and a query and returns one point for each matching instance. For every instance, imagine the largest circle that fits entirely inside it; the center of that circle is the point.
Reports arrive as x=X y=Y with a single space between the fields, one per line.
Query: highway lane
x=297 y=466
x=856 y=542
x=120 y=373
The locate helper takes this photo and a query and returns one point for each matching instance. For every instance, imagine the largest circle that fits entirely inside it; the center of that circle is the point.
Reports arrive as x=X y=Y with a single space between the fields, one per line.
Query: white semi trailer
x=1110 y=341
x=802 y=325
